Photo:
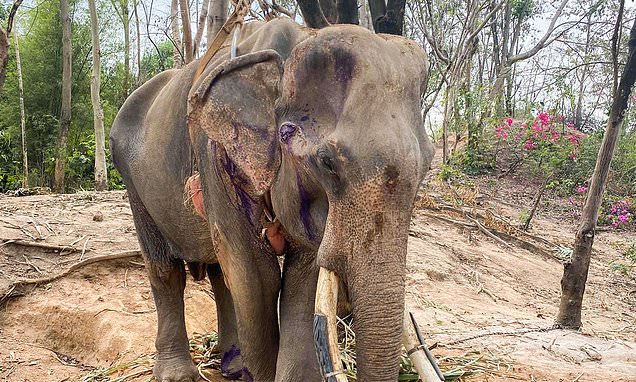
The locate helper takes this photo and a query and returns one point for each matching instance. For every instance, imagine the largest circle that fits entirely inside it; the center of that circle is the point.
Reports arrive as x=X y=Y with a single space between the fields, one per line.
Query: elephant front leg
x=252 y=276
x=173 y=362
x=297 y=357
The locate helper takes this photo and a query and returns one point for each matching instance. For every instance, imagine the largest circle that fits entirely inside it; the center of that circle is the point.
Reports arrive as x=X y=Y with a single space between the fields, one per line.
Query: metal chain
x=502 y=333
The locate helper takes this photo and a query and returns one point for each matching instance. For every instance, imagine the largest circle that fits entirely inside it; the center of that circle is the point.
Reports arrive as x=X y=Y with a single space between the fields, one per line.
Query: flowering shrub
x=619 y=213
x=545 y=144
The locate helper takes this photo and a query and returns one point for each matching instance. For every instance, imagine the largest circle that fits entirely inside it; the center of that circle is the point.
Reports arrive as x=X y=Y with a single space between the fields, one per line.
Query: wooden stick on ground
x=52 y=247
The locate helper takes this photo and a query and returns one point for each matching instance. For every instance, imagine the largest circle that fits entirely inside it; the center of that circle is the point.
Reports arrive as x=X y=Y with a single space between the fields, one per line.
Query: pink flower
x=545 y=118
x=622 y=218
x=509 y=121
x=560 y=118
x=581 y=189
x=530 y=145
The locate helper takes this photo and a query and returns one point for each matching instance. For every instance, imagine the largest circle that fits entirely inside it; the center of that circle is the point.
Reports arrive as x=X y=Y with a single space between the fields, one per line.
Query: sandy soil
x=460 y=283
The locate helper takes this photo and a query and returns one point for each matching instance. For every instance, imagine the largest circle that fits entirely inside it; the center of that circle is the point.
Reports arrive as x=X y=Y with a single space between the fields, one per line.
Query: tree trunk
x=101 y=182
x=347 y=11
x=175 y=35
x=125 y=18
x=217 y=15
x=578 y=112
x=4 y=56
x=25 y=161
x=329 y=9
x=312 y=14
x=390 y=18
x=576 y=270
x=140 y=79
x=187 y=30
x=203 y=15
x=365 y=17
x=65 y=113
x=4 y=42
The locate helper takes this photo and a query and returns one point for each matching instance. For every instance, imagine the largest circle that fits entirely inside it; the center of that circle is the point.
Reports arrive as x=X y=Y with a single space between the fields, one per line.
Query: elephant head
x=331 y=128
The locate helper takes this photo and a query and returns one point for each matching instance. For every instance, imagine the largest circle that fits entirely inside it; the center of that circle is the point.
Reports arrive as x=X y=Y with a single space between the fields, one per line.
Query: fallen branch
x=448 y=220
x=43 y=280
x=485 y=230
x=52 y=247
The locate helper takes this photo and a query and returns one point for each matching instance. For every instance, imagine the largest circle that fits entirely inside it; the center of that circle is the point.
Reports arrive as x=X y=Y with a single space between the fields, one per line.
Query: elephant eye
x=326 y=161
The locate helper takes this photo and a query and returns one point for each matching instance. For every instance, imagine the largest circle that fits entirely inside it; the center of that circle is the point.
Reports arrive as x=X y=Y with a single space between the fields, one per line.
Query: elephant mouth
x=326 y=334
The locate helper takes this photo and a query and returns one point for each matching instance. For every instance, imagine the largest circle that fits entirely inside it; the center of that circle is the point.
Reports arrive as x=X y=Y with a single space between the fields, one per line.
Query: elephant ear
x=234 y=106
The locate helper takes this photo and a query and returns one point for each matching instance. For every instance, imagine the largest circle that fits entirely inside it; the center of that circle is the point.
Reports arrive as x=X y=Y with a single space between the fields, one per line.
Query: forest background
x=516 y=86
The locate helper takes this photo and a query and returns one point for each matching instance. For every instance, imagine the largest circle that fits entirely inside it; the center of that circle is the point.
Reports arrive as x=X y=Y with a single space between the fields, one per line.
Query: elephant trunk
x=371 y=262
x=376 y=291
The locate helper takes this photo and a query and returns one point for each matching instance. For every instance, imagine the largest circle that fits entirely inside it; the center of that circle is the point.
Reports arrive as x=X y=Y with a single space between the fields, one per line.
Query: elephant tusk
x=418 y=352
x=325 y=327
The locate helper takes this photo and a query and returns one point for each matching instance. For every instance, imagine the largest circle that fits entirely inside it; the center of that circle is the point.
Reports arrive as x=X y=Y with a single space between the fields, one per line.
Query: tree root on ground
x=17 y=288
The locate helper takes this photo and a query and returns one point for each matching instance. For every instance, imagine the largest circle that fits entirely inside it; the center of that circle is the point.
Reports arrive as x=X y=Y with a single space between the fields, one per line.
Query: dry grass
x=204 y=351
x=122 y=372
x=459 y=368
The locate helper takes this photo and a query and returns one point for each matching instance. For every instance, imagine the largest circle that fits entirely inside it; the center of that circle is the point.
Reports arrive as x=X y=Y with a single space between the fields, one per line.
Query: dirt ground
x=461 y=283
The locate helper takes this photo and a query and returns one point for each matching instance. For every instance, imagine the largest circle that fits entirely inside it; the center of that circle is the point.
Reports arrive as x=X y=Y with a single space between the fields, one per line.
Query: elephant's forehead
x=347 y=51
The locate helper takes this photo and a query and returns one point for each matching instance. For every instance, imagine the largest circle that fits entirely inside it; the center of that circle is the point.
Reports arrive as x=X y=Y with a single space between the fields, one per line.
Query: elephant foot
x=175 y=369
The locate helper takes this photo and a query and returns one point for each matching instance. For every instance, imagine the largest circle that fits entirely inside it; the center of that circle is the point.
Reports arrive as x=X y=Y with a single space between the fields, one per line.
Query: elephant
x=308 y=144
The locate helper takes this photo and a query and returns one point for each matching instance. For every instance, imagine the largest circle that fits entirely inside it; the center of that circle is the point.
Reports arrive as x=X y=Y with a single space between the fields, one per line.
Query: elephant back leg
x=167 y=276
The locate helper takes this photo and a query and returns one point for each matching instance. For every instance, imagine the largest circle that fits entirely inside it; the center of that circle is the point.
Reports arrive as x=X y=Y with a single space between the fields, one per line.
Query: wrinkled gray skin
x=329 y=122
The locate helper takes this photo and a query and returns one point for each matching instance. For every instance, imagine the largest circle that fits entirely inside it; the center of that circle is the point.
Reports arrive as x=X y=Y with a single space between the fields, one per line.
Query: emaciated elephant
x=309 y=143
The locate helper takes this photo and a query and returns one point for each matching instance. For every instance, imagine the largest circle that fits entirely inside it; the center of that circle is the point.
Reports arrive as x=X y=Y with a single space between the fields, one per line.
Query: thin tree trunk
x=217 y=14
x=65 y=114
x=313 y=14
x=365 y=17
x=576 y=270
x=25 y=161
x=187 y=30
x=140 y=79
x=4 y=42
x=4 y=56
x=125 y=17
x=101 y=182
x=175 y=35
x=203 y=16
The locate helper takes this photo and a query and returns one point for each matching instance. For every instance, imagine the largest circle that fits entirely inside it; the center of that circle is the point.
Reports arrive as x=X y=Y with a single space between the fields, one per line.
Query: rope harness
x=233 y=23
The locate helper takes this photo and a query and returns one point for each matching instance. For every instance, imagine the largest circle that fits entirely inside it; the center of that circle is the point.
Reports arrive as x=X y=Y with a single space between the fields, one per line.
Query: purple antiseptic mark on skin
x=246 y=201
x=247 y=376
x=227 y=359
x=305 y=204
x=287 y=130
